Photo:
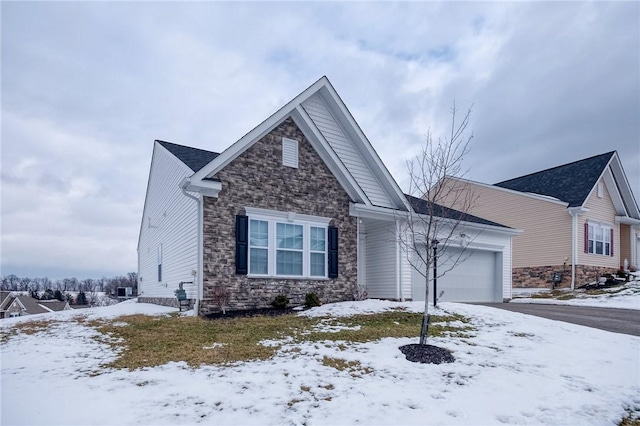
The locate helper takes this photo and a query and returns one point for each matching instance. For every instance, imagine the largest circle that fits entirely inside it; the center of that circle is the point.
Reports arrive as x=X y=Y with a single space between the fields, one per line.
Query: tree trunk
x=424 y=330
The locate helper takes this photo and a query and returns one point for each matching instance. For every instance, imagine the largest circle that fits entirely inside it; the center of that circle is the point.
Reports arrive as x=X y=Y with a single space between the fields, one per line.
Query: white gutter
x=625 y=220
x=575 y=212
x=198 y=278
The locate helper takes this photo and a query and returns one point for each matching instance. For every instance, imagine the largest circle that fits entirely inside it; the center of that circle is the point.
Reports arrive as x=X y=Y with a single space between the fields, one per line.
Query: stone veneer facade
x=257 y=178
x=542 y=276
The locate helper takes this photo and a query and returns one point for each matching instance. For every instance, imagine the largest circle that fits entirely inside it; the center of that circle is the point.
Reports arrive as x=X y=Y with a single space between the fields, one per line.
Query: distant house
x=16 y=305
x=302 y=203
x=579 y=219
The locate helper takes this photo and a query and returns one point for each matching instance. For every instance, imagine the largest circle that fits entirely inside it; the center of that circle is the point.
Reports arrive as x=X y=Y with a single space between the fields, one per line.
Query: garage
x=476 y=278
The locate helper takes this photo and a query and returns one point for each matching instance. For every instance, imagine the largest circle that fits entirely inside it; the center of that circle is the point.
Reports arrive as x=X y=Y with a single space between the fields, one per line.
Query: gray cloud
x=87 y=87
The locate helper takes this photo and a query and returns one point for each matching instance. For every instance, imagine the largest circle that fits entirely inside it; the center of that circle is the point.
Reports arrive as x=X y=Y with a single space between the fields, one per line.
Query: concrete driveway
x=626 y=321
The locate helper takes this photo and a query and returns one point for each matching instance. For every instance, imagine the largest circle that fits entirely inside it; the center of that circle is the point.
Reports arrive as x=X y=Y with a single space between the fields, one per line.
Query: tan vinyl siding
x=601 y=210
x=625 y=244
x=546 y=239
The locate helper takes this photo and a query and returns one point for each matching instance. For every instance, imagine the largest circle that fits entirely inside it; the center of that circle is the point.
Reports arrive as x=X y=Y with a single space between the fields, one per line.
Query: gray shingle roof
x=194 y=158
x=570 y=182
x=422 y=207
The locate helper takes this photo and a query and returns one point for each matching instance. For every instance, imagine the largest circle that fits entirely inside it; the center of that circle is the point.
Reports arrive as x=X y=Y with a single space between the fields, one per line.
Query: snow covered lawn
x=624 y=296
x=514 y=369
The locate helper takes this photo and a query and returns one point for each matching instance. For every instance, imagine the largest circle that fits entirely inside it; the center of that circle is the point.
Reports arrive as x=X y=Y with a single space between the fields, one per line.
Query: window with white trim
x=599 y=239
x=258 y=247
x=286 y=244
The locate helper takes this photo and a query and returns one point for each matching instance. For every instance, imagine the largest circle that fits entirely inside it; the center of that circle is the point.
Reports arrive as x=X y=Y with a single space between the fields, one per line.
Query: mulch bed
x=426 y=354
x=271 y=312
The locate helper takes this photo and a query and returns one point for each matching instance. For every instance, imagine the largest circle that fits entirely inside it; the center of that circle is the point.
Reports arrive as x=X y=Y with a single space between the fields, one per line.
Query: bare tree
x=439 y=210
x=221 y=297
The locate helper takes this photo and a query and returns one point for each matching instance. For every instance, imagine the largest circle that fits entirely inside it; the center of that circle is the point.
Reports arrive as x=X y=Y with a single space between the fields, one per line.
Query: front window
x=599 y=240
x=286 y=245
x=289 y=249
x=258 y=247
x=318 y=251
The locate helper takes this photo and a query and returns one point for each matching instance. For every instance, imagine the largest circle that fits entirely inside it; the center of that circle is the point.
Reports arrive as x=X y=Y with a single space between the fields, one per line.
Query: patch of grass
x=541 y=295
x=146 y=341
x=294 y=401
x=567 y=296
x=521 y=334
x=354 y=368
x=632 y=419
x=29 y=328
x=151 y=341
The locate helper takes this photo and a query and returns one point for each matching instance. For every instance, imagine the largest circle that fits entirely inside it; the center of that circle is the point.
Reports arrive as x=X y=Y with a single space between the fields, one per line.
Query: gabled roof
x=194 y=158
x=571 y=183
x=421 y=206
x=344 y=165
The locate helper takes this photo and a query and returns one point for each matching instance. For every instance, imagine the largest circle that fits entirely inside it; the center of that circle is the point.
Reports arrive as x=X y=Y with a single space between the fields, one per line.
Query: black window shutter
x=242 y=244
x=333 y=252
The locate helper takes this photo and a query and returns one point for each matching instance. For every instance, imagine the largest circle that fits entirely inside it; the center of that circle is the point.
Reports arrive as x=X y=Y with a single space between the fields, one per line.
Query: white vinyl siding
x=380 y=260
x=346 y=151
x=169 y=219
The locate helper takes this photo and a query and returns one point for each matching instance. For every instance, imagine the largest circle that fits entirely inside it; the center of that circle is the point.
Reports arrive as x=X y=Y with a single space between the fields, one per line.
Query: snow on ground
x=614 y=297
x=517 y=369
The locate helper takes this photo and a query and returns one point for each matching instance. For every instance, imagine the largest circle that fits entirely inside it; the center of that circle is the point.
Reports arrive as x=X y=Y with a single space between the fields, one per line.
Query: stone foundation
x=166 y=301
x=542 y=276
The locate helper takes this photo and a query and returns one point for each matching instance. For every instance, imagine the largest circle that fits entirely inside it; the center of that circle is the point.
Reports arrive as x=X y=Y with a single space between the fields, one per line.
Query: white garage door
x=473 y=280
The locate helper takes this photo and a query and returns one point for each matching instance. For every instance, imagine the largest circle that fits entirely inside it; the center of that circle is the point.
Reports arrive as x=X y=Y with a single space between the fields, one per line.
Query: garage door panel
x=472 y=280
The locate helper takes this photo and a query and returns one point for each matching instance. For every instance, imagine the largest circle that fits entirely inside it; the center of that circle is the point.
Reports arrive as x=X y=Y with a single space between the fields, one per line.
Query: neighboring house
x=302 y=203
x=580 y=219
x=16 y=305
x=5 y=299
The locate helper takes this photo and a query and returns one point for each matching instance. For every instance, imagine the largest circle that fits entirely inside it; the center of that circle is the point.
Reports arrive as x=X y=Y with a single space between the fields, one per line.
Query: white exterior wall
x=380 y=259
x=346 y=151
x=173 y=223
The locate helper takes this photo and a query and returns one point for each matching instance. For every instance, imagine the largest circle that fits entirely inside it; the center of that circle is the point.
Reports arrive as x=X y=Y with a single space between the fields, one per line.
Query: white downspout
x=575 y=212
x=574 y=248
x=398 y=266
x=198 y=278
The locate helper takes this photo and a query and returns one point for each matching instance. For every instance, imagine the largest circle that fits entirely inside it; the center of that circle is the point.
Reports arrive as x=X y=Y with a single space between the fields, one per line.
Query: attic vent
x=600 y=190
x=290 y=152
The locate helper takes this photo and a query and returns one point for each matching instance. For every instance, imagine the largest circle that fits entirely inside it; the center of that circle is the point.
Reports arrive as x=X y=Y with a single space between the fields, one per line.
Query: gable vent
x=290 y=152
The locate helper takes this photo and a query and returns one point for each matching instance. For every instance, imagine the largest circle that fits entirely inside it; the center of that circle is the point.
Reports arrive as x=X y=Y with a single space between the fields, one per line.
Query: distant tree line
x=85 y=291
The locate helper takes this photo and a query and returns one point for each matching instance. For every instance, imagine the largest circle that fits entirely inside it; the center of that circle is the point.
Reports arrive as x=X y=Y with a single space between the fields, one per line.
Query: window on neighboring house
x=599 y=239
x=286 y=246
x=160 y=263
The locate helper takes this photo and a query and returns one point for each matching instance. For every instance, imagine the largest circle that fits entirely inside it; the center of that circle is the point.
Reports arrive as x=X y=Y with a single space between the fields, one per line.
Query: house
x=17 y=305
x=302 y=203
x=579 y=219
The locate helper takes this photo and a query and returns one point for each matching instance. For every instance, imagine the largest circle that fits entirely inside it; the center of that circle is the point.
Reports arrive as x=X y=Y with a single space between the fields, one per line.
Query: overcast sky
x=87 y=87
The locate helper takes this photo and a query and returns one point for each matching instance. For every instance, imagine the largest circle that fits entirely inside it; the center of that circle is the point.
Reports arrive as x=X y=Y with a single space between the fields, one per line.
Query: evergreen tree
x=81 y=299
x=58 y=295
